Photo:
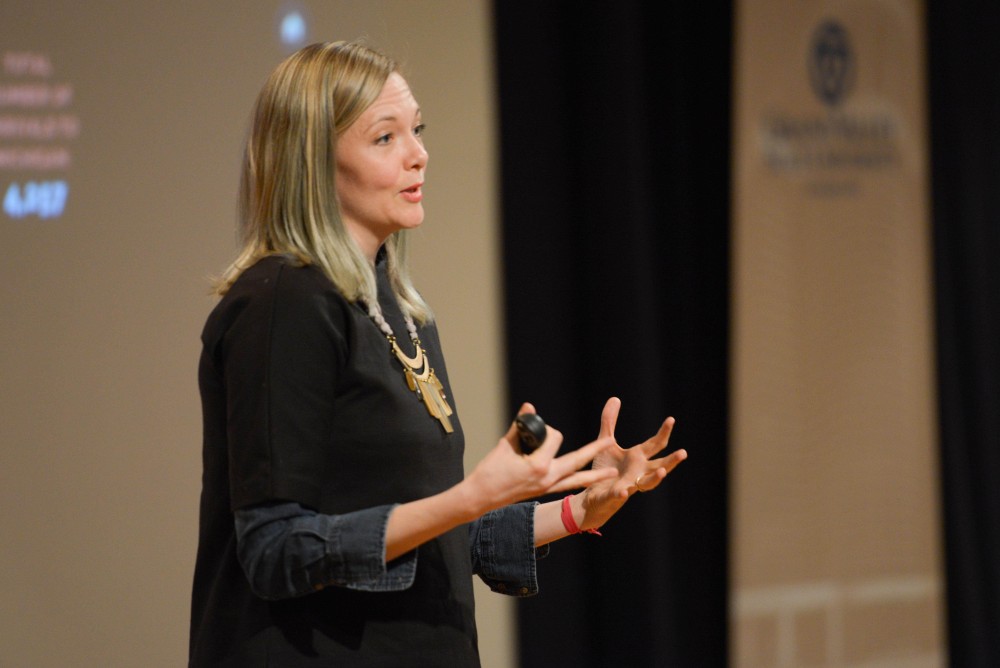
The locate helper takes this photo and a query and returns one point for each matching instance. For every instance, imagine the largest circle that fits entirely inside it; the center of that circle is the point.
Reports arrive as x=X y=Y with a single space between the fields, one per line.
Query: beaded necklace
x=420 y=377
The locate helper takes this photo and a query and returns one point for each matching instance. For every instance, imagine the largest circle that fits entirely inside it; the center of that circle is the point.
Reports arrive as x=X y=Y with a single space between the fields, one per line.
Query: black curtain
x=965 y=159
x=615 y=190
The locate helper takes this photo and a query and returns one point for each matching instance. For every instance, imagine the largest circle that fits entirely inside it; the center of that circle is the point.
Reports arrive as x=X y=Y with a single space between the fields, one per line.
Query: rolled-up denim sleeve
x=502 y=544
x=287 y=550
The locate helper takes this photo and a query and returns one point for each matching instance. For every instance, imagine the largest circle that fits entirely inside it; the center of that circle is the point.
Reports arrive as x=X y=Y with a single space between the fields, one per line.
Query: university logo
x=831 y=63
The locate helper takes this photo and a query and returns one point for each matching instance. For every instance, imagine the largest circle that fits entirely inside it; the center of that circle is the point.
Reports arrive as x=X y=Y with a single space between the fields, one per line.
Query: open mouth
x=413 y=193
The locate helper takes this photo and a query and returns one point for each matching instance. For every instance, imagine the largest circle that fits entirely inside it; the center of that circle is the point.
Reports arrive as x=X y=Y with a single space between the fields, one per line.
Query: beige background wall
x=102 y=308
x=835 y=514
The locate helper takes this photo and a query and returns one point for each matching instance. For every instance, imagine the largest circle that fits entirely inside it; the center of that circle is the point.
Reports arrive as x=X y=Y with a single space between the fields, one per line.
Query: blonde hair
x=288 y=199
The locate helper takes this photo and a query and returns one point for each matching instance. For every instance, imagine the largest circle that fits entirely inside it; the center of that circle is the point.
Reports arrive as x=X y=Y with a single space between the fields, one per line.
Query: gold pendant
x=421 y=380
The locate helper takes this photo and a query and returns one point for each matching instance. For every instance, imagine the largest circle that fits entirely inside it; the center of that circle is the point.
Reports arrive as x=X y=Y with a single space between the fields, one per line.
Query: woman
x=337 y=526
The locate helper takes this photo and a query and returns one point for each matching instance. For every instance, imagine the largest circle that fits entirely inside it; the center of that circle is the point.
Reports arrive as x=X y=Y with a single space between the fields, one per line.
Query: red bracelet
x=569 y=522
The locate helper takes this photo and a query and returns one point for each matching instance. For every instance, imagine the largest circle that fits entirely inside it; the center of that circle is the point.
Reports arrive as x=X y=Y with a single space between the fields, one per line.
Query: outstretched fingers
x=664 y=465
x=659 y=441
x=577 y=459
x=649 y=480
x=670 y=462
x=609 y=417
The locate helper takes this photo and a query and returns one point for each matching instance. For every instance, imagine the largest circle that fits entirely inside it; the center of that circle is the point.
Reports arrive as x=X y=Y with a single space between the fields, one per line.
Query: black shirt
x=303 y=401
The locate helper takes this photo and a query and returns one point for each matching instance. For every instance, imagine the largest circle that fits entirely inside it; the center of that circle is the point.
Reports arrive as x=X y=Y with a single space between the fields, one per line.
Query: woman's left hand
x=637 y=470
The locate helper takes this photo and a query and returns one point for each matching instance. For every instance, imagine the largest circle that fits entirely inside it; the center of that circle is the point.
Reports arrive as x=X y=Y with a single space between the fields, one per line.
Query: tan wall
x=835 y=514
x=102 y=308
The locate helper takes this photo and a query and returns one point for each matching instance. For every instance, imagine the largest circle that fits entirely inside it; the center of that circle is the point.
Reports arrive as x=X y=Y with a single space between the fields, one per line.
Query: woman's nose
x=418 y=154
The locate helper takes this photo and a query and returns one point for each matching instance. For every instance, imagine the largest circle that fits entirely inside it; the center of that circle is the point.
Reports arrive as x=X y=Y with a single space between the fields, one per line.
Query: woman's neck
x=366 y=239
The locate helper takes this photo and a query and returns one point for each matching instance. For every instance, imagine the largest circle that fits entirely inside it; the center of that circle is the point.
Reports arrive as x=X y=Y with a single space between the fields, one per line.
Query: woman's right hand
x=507 y=476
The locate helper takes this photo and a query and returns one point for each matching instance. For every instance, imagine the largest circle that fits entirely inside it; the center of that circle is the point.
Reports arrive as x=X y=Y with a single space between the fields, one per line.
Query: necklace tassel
x=422 y=381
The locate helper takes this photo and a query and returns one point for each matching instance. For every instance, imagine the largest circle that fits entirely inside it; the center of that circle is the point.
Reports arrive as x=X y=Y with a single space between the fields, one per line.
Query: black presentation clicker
x=530 y=431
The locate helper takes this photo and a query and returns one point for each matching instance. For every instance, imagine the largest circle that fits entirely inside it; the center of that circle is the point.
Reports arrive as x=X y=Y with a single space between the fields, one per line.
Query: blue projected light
x=46 y=199
x=293 y=29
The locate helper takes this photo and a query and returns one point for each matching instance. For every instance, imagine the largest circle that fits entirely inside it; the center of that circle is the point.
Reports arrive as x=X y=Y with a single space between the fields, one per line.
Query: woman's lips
x=413 y=194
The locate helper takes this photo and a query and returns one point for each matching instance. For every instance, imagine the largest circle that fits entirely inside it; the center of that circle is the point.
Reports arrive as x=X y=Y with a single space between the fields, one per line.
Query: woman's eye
x=419 y=130
x=384 y=139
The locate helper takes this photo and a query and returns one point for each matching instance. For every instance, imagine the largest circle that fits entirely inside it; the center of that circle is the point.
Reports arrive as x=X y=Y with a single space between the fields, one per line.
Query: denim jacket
x=287 y=550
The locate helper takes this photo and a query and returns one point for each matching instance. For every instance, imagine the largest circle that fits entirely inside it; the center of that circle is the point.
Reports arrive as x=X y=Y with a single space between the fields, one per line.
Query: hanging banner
x=835 y=536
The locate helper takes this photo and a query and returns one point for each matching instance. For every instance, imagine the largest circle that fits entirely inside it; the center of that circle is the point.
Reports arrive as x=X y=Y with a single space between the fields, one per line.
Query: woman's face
x=380 y=168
